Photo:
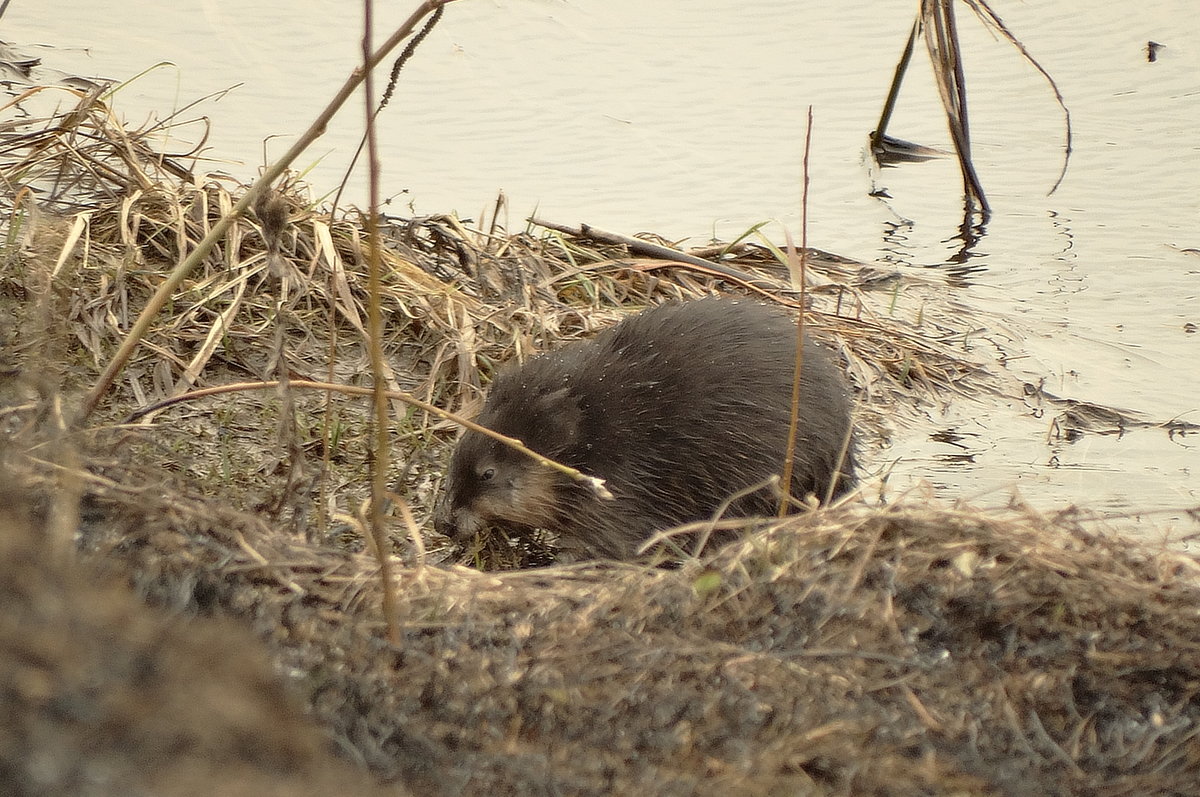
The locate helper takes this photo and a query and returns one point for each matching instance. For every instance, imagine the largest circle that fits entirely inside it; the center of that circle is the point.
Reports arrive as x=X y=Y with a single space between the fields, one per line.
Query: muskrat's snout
x=455 y=515
x=443 y=521
x=452 y=520
x=487 y=486
x=463 y=511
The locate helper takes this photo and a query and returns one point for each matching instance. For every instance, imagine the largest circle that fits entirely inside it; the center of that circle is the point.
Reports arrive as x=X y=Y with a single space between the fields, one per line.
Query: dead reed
x=457 y=298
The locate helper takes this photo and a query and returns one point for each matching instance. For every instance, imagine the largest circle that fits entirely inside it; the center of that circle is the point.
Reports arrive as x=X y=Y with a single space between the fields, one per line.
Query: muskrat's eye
x=487 y=475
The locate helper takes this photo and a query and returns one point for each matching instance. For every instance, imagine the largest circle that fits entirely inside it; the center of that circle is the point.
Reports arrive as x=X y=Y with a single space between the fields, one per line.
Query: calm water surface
x=686 y=119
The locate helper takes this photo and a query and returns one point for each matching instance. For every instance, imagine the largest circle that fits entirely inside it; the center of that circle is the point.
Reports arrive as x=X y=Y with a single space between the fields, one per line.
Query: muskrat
x=677 y=408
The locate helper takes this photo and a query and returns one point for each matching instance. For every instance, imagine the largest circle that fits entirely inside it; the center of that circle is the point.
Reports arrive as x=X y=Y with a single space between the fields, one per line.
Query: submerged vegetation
x=221 y=473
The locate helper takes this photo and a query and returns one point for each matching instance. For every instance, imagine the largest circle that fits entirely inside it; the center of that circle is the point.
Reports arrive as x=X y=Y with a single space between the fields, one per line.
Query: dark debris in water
x=1074 y=418
x=20 y=70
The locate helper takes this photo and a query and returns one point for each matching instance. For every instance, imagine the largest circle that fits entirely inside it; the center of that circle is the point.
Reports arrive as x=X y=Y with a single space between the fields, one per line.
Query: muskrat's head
x=492 y=484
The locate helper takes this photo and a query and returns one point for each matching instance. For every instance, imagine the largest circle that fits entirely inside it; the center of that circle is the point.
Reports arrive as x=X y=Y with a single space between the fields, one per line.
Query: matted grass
x=908 y=649
x=457 y=300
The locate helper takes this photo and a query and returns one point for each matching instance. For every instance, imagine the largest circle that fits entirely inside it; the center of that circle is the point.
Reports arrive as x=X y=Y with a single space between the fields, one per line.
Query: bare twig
x=646 y=249
x=798 y=372
x=596 y=485
x=889 y=104
x=379 y=404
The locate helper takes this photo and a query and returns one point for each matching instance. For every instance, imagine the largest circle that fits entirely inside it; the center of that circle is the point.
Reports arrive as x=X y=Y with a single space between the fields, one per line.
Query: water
x=687 y=119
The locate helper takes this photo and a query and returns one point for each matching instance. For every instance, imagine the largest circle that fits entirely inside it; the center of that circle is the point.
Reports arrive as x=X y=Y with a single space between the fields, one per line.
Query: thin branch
x=379 y=462
x=889 y=105
x=789 y=458
x=596 y=485
x=985 y=13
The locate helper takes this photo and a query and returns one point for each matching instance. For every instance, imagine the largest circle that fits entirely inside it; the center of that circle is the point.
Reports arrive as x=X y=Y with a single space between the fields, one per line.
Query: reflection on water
x=686 y=119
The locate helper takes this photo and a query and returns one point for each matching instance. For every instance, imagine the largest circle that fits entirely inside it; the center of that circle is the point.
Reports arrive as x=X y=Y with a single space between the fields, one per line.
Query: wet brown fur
x=678 y=408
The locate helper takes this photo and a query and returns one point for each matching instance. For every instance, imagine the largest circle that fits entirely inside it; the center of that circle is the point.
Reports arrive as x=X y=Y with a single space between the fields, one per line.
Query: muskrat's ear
x=559 y=417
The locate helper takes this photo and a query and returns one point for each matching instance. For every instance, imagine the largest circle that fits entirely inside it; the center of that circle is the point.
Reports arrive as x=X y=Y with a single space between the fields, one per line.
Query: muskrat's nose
x=443 y=520
x=459 y=523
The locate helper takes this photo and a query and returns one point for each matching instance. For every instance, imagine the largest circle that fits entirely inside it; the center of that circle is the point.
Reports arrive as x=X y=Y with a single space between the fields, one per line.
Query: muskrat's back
x=678 y=408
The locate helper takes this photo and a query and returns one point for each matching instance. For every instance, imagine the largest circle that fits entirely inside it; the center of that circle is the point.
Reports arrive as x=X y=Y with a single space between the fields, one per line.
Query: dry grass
x=897 y=650
x=458 y=298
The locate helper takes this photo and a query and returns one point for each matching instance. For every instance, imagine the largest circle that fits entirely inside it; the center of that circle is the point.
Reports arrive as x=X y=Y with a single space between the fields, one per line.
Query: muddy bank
x=897 y=650
x=103 y=695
